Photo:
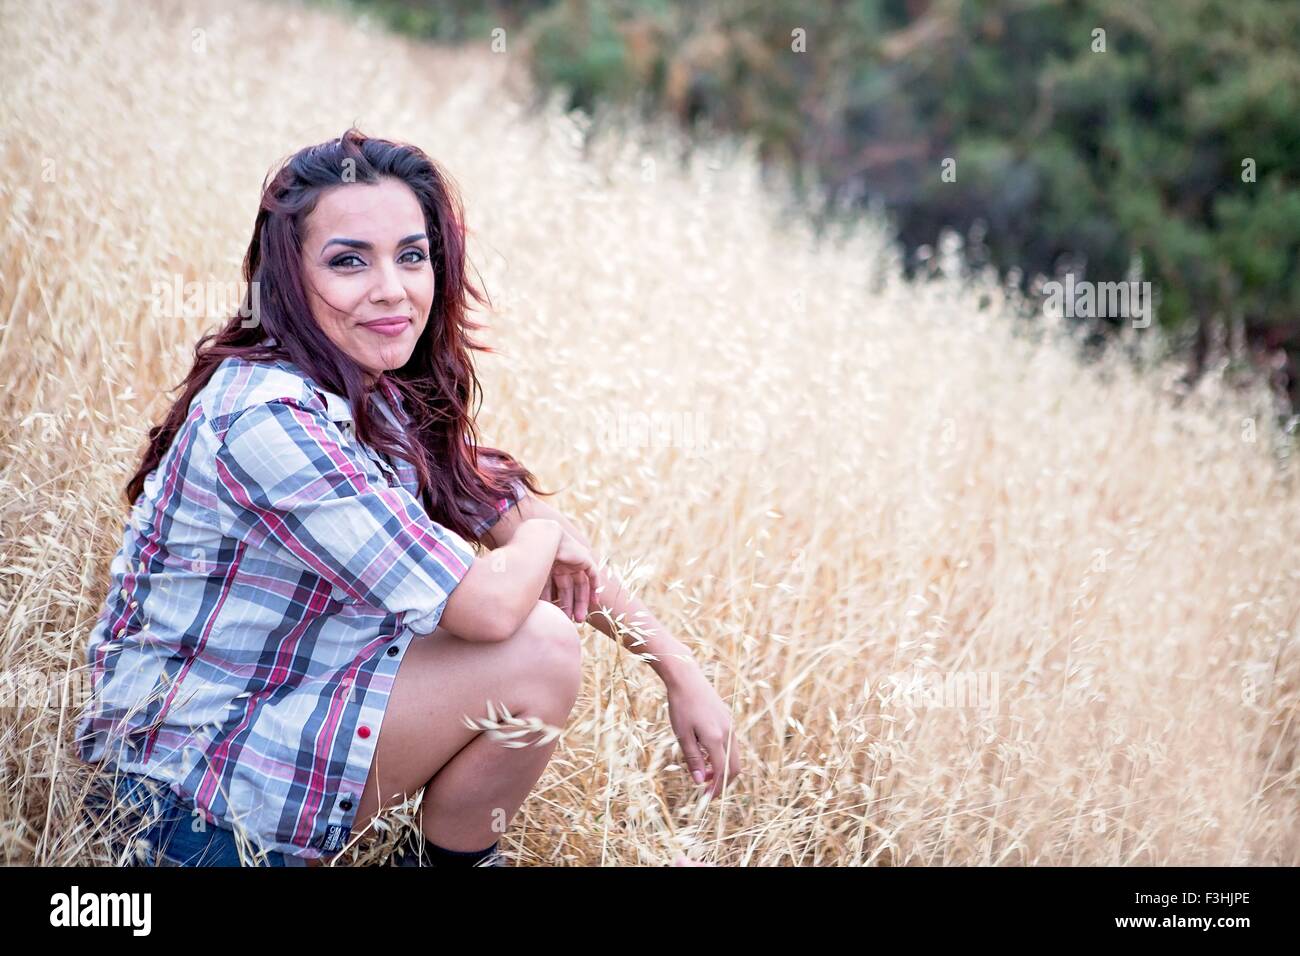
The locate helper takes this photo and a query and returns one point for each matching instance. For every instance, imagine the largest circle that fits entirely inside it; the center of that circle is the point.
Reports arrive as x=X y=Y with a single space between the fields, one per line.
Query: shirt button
x=121 y=631
x=345 y=805
x=392 y=651
x=363 y=731
x=124 y=594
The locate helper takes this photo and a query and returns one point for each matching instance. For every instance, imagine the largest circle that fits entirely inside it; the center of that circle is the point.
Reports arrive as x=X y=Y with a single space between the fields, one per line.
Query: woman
x=298 y=625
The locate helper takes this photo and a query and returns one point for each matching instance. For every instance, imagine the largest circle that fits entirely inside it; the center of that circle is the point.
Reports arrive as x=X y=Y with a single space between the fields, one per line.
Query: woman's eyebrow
x=359 y=244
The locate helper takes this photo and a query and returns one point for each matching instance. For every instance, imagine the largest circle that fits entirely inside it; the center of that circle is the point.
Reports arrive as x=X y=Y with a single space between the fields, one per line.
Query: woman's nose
x=389 y=286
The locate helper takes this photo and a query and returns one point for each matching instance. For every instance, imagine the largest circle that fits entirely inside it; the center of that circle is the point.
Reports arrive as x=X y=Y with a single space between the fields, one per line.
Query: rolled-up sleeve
x=284 y=471
x=487 y=517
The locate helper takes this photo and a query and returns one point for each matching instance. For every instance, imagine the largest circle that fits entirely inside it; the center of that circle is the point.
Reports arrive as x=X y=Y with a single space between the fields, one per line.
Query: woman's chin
x=390 y=357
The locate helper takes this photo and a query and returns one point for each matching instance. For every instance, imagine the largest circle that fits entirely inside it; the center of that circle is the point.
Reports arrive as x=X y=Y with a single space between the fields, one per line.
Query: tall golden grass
x=896 y=478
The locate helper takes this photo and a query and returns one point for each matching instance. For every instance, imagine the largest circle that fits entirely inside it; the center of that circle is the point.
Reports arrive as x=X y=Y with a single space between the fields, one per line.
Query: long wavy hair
x=459 y=481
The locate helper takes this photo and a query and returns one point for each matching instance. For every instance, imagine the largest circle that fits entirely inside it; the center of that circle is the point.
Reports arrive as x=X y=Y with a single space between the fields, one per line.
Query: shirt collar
x=338 y=407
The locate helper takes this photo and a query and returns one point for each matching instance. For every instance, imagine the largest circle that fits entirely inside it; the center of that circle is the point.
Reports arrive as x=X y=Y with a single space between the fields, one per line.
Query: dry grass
x=904 y=484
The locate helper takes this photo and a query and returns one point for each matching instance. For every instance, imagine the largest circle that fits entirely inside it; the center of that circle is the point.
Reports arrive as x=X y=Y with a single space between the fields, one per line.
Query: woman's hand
x=702 y=723
x=573 y=578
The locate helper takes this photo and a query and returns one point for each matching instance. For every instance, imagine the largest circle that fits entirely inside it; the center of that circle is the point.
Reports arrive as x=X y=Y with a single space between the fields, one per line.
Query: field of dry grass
x=824 y=478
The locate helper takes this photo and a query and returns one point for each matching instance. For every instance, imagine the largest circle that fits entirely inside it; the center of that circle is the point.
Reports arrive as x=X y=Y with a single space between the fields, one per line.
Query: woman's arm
x=673 y=659
x=284 y=474
x=490 y=606
x=700 y=719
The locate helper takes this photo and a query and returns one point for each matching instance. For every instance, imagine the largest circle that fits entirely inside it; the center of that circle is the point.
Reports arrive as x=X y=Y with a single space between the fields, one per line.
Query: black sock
x=441 y=856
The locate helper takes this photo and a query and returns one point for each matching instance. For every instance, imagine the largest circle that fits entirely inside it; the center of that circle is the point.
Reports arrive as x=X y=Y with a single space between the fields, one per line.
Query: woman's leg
x=474 y=784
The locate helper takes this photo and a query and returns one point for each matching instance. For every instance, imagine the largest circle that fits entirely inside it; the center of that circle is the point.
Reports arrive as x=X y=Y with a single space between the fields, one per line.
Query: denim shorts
x=172 y=837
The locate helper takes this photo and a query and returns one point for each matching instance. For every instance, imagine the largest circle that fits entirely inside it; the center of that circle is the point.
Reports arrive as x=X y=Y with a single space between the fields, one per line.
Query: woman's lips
x=389 y=327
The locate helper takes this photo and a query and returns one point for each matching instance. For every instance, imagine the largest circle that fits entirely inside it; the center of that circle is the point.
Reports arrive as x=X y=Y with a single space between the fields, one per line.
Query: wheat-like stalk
x=828 y=480
x=496 y=727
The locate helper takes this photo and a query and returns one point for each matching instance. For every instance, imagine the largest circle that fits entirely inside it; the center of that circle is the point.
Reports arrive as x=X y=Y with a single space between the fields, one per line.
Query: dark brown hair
x=436 y=384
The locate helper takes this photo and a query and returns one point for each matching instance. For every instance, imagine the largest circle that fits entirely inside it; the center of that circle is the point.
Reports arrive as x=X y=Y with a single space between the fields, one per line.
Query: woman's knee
x=550 y=642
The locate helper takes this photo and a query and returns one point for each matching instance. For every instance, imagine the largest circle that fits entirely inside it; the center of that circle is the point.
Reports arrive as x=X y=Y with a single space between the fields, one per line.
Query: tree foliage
x=1085 y=136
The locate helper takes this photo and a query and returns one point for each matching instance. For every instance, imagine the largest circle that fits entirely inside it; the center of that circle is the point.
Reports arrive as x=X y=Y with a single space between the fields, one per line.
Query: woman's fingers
x=564 y=593
x=694 y=757
x=709 y=746
x=593 y=582
x=581 y=598
x=723 y=760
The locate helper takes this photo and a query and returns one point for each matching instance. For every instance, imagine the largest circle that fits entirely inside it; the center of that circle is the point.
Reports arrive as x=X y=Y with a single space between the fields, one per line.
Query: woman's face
x=367 y=271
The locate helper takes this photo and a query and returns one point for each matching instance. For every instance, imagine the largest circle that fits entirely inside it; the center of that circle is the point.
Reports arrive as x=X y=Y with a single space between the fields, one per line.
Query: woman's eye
x=343 y=260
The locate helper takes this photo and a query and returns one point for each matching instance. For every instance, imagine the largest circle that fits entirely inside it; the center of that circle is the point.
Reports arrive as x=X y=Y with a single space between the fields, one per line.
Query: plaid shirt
x=269 y=582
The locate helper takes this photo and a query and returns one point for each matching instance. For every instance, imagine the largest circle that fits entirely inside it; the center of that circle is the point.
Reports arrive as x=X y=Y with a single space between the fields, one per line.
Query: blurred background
x=1101 y=138
x=989 y=576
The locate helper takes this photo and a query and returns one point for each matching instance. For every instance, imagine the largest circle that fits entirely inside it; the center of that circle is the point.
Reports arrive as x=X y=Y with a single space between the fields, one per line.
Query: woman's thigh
x=443 y=679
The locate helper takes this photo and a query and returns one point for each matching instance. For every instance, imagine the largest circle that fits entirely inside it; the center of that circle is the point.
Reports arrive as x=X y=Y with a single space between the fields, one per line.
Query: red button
x=363 y=731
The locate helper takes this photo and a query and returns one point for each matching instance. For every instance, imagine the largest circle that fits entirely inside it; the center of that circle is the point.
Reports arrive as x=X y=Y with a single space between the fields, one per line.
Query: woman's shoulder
x=238 y=384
